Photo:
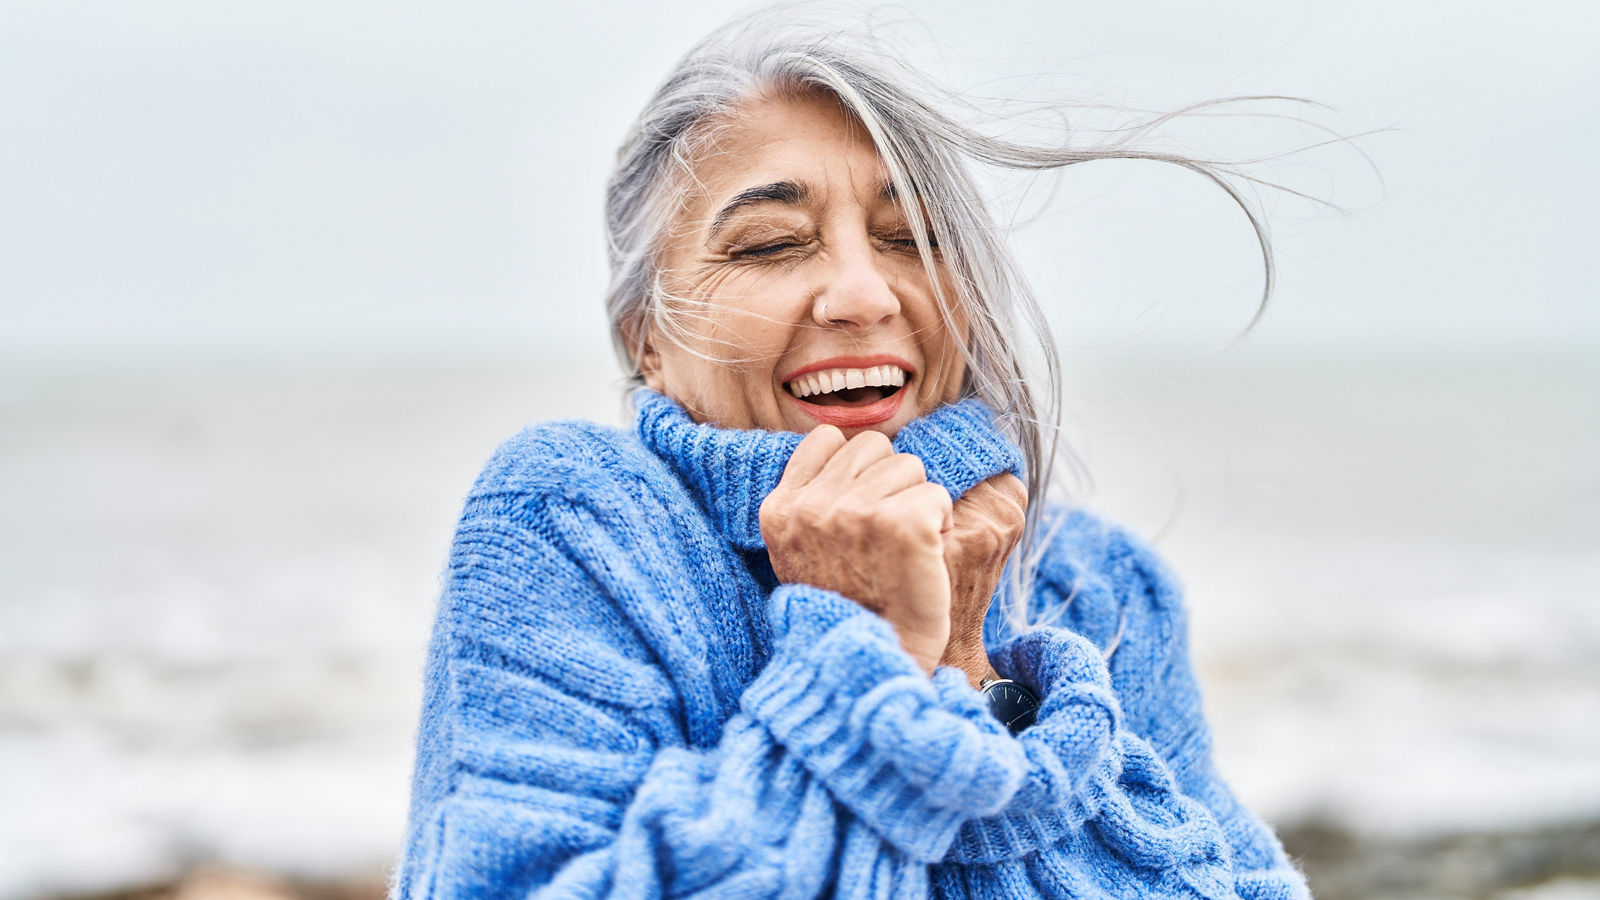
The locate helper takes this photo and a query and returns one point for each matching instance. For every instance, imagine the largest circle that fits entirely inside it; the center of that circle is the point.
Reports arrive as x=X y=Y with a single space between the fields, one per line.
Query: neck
x=731 y=471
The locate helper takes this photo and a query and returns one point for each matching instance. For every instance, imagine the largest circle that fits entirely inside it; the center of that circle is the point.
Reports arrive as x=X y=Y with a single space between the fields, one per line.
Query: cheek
x=738 y=317
x=955 y=373
x=708 y=389
x=946 y=366
x=730 y=330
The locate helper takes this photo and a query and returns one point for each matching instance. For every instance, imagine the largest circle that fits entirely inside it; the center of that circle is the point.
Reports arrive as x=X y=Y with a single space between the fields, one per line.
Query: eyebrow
x=788 y=193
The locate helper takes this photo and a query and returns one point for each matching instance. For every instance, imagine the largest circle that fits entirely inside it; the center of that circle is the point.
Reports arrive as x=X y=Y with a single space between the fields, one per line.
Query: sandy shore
x=223 y=883
x=1551 y=863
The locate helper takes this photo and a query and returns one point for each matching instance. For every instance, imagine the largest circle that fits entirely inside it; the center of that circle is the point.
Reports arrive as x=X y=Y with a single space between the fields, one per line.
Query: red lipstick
x=853 y=416
x=875 y=413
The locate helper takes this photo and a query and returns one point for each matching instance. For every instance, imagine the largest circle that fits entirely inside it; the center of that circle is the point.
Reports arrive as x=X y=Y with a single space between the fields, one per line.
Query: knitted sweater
x=621 y=701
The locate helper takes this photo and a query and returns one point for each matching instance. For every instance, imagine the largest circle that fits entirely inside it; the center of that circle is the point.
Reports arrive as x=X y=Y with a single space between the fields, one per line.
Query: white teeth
x=832 y=380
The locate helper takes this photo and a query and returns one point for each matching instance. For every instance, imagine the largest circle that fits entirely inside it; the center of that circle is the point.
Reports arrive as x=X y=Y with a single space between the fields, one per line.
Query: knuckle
x=928 y=503
x=912 y=463
x=824 y=438
x=808 y=514
x=775 y=507
x=1016 y=491
x=902 y=529
x=852 y=515
x=874 y=441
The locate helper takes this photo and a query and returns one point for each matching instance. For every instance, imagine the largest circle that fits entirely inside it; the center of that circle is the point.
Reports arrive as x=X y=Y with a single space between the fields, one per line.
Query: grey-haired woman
x=813 y=626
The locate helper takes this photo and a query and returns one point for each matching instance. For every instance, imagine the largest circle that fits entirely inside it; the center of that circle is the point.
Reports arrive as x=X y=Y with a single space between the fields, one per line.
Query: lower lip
x=874 y=413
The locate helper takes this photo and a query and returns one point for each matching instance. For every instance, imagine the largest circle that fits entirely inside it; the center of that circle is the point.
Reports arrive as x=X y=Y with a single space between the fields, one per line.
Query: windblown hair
x=927 y=154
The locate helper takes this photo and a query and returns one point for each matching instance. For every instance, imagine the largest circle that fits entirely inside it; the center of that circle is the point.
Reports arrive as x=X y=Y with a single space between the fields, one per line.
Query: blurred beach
x=255 y=260
x=220 y=579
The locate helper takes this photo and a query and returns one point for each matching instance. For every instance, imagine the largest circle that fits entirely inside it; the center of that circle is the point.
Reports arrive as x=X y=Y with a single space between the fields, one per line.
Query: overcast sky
x=201 y=177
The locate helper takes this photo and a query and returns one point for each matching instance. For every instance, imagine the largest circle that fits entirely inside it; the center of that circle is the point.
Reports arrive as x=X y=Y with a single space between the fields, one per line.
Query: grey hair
x=926 y=153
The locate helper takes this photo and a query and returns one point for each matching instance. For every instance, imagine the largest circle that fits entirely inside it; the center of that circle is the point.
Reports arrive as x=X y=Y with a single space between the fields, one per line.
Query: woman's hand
x=988 y=522
x=859 y=519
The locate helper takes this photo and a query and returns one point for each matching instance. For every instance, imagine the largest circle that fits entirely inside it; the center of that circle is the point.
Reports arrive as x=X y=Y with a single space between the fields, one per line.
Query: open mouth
x=848 y=388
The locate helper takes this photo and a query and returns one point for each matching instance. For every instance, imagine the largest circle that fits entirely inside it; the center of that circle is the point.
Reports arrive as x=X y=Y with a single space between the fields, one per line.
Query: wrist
x=971 y=658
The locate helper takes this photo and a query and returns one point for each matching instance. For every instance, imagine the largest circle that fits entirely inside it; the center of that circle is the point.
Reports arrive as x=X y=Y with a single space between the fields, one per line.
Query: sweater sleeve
x=1124 y=742
x=554 y=758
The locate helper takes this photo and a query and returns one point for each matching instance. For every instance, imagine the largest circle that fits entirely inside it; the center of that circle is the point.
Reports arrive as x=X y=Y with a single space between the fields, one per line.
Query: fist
x=855 y=517
x=987 y=523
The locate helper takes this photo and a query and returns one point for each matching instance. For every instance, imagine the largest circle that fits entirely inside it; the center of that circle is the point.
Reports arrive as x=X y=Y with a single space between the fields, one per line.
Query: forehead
x=807 y=138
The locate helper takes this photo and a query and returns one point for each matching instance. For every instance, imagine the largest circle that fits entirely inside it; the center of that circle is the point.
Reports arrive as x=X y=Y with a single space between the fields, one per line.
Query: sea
x=219 y=578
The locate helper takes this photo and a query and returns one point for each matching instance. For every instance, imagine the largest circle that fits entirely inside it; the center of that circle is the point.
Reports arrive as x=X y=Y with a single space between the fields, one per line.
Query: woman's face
x=797 y=287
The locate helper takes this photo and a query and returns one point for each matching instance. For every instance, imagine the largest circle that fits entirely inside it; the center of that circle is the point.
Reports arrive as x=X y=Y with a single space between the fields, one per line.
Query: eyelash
x=765 y=251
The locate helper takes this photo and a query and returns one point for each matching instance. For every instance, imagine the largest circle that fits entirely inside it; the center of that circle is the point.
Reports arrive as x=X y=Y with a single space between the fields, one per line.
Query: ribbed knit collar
x=730 y=471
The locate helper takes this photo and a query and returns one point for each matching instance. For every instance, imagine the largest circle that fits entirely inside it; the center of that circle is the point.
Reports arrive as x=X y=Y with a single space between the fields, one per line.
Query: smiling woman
x=761 y=645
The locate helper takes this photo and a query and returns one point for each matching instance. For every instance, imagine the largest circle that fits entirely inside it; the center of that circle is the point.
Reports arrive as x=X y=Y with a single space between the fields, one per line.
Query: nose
x=857 y=292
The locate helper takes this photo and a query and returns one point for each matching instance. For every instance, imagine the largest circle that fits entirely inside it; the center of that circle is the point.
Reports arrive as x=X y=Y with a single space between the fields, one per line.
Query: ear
x=646 y=358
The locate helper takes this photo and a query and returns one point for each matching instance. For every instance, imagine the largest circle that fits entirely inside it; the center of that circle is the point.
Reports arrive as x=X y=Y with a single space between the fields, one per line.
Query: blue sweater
x=622 y=702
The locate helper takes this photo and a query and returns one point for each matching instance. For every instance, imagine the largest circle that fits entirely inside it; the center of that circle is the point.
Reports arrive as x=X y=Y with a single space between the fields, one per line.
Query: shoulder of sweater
x=1099 y=577
x=1095 y=543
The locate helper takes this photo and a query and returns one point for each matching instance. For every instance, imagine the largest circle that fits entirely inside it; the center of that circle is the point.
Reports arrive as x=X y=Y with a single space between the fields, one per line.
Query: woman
x=748 y=647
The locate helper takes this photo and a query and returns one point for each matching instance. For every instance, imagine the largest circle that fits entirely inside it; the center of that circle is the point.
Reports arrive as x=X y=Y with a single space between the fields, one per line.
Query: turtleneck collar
x=730 y=472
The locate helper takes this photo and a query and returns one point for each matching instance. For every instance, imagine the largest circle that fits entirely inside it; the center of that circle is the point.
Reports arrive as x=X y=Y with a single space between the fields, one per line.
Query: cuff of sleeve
x=1073 y=762
x=1079 y=715
x=841 y=694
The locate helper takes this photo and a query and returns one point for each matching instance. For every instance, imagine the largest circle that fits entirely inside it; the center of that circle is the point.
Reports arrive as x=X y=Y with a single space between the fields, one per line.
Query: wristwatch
x=1010 y=702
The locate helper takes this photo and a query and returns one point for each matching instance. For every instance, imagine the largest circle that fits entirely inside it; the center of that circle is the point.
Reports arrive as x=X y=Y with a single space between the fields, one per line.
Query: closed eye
x=907 y=242
x=763 y=250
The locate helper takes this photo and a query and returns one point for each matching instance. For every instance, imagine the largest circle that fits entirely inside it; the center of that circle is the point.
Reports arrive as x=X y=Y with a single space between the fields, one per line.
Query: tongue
x=861 y=396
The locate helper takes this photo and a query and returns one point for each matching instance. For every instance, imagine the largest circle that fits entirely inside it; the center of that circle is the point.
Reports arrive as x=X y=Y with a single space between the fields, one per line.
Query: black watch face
x=1012 y=704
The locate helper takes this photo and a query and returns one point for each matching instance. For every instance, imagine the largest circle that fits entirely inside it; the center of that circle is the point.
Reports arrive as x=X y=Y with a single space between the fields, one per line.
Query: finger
x=1011 y=487
x=1002 y=492
x=890 y=475
x=812 y=455
x=857 y=454
x=925 y=503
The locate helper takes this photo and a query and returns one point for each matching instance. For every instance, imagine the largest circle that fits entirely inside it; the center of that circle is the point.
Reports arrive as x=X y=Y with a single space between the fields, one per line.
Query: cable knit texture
x=622 y=702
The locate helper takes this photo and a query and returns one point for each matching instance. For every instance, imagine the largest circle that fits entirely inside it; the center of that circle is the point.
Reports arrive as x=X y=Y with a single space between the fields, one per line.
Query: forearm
x=914 y=758
x=842 y=743
x=743 y=818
